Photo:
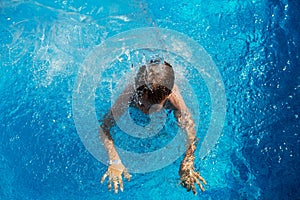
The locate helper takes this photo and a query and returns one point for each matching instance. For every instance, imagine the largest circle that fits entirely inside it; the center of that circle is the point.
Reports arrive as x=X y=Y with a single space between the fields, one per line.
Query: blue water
x=254 y=44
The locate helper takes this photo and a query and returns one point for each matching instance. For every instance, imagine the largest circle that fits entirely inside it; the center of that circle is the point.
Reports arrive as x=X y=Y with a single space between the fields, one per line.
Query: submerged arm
x=187 y=173
x=185 y=120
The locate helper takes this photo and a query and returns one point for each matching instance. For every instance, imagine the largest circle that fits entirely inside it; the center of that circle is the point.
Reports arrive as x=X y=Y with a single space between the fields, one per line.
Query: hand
x=189 y=177
x=114 y=173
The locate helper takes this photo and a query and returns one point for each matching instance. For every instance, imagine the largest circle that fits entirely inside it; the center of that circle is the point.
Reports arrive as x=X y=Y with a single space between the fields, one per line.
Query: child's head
x=155 y=81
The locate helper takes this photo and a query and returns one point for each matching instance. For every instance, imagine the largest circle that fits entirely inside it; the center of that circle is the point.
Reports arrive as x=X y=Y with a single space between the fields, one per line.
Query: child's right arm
x=115 y=168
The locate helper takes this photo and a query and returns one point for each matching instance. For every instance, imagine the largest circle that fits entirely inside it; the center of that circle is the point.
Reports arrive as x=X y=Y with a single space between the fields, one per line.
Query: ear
x=167 y=64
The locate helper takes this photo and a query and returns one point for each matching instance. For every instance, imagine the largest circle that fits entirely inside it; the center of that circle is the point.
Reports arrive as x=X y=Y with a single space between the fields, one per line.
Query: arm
x=185 y=120
x=116 y=168
x=110 y=119
x=183 y=115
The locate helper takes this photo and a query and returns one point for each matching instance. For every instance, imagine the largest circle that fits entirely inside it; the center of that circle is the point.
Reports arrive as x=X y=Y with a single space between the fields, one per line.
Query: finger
x=115 y=181
x=194 y=189
x=103 y=177
x=182 y=183
x=188 y=187
x=121 y=183
x=127 y=175
x=109 y=184
x=200 y=185
x=201 y=178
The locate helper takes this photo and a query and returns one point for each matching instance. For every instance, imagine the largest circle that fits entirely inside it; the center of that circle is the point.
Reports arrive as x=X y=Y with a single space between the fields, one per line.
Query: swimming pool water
x=254 y=44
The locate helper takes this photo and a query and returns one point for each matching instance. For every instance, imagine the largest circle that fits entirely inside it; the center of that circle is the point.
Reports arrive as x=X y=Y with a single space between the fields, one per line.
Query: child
x=154 y=88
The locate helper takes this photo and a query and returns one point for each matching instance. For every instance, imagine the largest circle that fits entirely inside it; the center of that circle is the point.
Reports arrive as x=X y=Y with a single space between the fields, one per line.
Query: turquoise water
x=254 y=45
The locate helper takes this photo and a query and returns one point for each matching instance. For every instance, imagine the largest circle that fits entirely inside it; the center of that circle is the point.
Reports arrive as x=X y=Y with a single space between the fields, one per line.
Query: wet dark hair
x=156 y=80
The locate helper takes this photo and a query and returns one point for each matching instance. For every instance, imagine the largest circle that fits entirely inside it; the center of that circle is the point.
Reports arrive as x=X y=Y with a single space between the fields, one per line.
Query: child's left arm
x=187 y=173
